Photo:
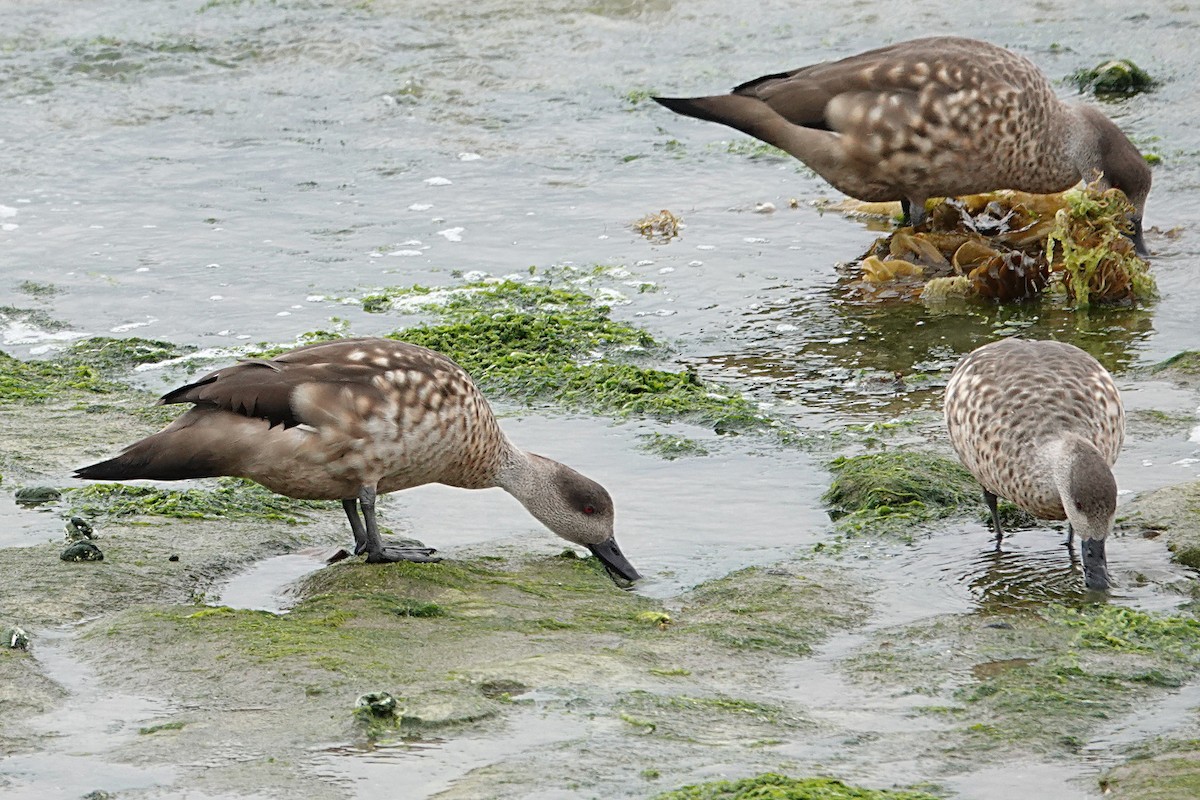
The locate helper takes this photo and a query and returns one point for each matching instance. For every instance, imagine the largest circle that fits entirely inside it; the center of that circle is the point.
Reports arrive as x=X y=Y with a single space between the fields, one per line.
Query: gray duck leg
x=366 y=536
x=990 y=499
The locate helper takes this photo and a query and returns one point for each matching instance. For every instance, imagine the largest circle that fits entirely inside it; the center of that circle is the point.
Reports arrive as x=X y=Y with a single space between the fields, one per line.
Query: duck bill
x=614 y=560
x=1095 y=566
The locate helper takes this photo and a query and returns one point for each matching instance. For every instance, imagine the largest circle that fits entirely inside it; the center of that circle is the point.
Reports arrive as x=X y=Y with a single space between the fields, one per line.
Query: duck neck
x=520 y=474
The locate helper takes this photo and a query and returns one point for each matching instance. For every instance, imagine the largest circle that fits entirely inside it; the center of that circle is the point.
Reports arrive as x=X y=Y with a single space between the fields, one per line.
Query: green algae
x=37 y=380
x=772 y=786
x=1131 y=631
x=887 y=491
x=535 y=342
x=232 y=498
x=165 y=726
x=1113 y=79
x=683 y=716
x=1091 y=255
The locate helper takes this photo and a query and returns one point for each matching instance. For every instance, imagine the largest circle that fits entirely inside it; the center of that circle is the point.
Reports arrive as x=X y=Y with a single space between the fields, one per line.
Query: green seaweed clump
x=533 y=342
x=233 y=498
x=1090 y=253
x=897 y=487
x=1116 y=78
x=772 y=786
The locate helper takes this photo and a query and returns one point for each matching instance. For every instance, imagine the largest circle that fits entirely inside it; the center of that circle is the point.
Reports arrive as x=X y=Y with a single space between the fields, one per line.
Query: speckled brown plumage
x=1040 y=423
x=940 y=116
x=349 y=419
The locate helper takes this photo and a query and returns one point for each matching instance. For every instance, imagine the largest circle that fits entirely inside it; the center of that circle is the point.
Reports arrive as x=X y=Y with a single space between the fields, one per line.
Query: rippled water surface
x=223 y=172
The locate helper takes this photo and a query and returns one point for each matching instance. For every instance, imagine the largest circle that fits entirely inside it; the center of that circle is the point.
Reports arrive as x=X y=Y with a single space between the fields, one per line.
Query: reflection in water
x=894 y=357
x=1009 y=580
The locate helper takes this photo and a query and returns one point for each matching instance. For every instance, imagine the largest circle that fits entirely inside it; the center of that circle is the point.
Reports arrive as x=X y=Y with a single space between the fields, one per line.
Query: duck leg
x=914 y=212
x=366 y=536
x=1070 y=538
x=990 y=499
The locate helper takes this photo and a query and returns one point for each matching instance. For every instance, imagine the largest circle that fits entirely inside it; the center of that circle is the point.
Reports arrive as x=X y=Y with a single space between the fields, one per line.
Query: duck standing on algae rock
x=937 y=117
x=1041 y=423
x=351 y=419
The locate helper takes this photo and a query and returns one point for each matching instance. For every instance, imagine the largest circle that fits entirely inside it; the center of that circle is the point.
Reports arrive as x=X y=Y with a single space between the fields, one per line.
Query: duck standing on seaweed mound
x=1041 y=423
x=937 y=117
x=351 y=419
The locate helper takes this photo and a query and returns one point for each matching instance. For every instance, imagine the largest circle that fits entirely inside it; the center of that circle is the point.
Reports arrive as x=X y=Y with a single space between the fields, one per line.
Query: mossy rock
x=883 y=491
x=1119 y=77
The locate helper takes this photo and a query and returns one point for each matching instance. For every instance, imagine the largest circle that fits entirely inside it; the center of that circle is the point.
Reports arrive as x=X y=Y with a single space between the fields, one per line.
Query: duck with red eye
x=579 y=505
x=352 y=419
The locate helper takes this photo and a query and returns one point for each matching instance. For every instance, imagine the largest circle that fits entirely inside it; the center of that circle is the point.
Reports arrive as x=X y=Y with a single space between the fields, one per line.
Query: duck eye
x=589 y=509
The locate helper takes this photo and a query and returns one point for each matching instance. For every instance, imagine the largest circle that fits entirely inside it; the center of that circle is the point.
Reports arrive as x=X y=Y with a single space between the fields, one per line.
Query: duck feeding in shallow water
x=1041 y=423
x=351 y=419
x=942 y=116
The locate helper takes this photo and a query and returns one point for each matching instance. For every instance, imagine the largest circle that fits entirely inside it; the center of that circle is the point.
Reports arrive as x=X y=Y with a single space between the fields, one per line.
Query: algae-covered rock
x=78 y=529
x=14 y=638
x=37 y=495
x=891 y=489
x=1118 y=77
x=532 y=341
x=82 y=551
x=771 y=786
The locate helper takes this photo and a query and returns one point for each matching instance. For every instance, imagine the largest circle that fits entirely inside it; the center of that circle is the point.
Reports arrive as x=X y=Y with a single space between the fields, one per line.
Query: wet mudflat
x=223 y=174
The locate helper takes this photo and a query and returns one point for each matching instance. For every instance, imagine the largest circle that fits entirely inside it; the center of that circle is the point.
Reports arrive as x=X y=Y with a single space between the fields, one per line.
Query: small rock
x=37 y=495
x=172 y=557
x=379 y=704
x=82 y=551
x=79 y=530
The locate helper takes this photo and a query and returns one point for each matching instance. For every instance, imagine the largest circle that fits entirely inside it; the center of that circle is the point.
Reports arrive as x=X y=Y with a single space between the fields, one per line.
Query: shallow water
x=223 y=173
